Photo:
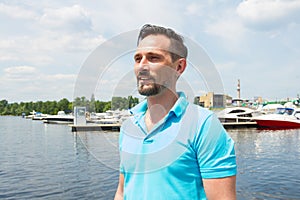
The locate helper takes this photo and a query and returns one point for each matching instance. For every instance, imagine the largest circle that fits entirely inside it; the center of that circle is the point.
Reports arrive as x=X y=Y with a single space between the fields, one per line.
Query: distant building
x=211 y=100
x=218 y=101
x=258 y=100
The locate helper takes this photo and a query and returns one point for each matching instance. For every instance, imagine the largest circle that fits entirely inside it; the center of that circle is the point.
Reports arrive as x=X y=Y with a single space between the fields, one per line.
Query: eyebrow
x=152 y=51
x=148 y=54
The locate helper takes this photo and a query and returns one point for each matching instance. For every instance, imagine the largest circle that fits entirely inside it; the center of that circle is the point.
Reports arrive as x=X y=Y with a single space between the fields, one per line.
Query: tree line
x=52 y=107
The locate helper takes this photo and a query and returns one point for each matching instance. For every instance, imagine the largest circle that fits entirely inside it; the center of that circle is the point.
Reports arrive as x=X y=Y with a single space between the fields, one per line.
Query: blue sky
x=43 y=44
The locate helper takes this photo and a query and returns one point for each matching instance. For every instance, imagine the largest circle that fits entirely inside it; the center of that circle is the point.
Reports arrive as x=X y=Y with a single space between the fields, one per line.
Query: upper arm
x=220 y=188
x=217 y=160
x=215 y=150
x=120 y=189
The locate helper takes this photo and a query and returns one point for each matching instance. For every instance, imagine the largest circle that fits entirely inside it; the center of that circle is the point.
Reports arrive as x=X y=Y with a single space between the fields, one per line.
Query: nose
x=143 y=64
x=143 y=60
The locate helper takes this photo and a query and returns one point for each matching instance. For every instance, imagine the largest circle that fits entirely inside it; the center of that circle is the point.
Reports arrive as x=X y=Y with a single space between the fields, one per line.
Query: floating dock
x=95 y=127
x=239 y=124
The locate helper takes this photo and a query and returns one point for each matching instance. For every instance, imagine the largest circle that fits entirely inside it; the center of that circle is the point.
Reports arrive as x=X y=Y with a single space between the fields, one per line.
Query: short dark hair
x=177 y=47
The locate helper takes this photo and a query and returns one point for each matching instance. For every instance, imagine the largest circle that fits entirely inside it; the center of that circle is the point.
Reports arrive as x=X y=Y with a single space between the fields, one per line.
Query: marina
x=232 y=113
x=71 y=70
x=230 y=117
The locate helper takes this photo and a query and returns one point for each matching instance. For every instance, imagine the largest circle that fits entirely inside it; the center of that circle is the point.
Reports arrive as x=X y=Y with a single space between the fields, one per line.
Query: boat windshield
x=285 y=111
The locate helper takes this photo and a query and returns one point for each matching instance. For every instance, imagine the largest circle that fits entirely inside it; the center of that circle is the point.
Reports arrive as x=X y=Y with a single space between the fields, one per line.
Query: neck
x=159 y=106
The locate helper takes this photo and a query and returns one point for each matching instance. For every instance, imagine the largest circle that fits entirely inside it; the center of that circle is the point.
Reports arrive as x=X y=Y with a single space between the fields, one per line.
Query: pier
x=239 y=124
x=95 y=127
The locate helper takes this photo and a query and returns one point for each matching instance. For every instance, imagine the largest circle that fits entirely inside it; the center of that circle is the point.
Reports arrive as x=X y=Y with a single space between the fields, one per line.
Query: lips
x=144 y=76
x=145 y=80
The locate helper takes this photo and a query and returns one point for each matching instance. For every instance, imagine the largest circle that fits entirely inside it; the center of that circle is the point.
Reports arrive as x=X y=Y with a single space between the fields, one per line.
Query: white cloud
x=57 y=36
x=22 y=82
x=7 y=57
x=17 y=12
x=230 y=32
x=194 y=9
x=55 y=41
x=267 y=14
x=23 y=49
x=49 y=48
x=229 y=29
x=219 y=21
x=228 y=66
x=59 y=77
x=4 y=44
x=73 y=18
x=118 y=16
x=64 y=30
x=20 y=69
x=20 y=73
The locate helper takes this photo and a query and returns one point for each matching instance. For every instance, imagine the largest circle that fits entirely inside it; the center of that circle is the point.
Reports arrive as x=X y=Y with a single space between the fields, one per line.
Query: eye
x=154 y=58
x=137 y=58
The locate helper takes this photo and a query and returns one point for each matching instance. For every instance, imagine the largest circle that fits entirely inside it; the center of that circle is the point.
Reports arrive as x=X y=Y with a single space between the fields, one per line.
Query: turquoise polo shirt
x=169 y=162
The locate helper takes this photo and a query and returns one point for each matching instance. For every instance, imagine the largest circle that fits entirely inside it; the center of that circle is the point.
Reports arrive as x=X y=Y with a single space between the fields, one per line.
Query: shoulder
x=195 y=120
x=205 y=123
x=198 y=112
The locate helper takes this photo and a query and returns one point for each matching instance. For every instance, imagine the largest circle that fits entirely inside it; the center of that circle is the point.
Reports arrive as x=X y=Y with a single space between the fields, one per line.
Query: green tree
x=52 y=107
x=107 y=106
x=132 y=101
x=99 y=106
x=63 y=104
x=3 y=105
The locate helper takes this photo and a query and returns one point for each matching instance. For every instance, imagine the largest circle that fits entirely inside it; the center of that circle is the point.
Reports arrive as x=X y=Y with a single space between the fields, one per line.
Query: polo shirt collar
x=178 y=109
x=180 y=105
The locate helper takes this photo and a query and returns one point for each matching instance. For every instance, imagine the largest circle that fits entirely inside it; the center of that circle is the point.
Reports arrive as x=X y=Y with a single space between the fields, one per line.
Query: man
x=171 y=149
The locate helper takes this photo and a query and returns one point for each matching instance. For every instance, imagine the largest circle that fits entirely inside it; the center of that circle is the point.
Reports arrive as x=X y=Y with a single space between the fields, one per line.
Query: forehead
x=155 y=43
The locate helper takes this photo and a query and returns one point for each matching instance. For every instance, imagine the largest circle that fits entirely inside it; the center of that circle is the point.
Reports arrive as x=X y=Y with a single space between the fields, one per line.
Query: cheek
x=166 y=72
x=135 y=69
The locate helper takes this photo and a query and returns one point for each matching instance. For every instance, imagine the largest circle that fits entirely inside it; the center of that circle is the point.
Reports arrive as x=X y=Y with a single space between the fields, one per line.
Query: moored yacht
x=60 y=118
x=283 y=118
x=237 y=116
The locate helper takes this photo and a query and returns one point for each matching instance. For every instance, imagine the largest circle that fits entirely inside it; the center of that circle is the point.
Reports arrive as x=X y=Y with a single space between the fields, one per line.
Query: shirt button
x=149 y=141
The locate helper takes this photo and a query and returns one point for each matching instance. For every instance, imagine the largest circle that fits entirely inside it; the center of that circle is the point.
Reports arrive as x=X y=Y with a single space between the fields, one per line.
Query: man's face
x=153 y=66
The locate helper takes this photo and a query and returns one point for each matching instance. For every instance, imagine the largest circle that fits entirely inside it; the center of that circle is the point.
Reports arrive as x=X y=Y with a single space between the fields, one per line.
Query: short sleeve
x=120 y=150
x=215 y=150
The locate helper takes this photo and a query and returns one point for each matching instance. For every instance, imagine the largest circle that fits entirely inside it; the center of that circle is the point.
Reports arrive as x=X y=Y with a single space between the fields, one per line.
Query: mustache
x=144 y=74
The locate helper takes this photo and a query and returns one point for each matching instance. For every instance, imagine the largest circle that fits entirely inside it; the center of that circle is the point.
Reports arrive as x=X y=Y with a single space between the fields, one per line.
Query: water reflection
x=268 y=163
x=103 y=146
x=101 y=149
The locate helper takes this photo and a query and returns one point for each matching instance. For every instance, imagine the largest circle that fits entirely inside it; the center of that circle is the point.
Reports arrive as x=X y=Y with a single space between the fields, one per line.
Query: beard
x=150 y=89
x=148 y=84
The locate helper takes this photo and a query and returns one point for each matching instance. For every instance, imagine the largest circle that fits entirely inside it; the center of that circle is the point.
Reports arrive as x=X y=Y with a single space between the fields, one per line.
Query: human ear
x=181 y=65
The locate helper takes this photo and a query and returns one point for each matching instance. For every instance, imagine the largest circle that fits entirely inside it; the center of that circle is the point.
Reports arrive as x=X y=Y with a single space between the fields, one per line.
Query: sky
x=46 y=45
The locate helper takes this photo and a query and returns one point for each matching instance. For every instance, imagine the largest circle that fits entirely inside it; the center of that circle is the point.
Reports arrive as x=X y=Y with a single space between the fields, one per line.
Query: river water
x=45 y=161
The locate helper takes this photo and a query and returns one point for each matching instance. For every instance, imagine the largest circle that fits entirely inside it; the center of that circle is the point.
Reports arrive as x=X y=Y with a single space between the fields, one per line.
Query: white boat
x=36 y=115
x=60 y=118
x=270 y=108
x=237 y=116
x=283 y=118
x=109 y=117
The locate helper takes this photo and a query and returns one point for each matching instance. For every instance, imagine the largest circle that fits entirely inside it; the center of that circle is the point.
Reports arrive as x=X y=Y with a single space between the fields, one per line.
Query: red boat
x=283 y=118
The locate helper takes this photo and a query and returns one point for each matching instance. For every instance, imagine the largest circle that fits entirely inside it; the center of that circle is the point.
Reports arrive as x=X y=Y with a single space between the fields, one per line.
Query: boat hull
x=53 y=120
x=277 y=124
